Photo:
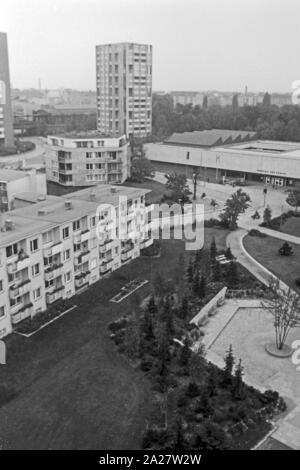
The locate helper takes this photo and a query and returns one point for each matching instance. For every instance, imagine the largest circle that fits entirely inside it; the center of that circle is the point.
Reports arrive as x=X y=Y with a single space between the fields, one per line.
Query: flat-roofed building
x=124 y=89
x=219 y=155
x=87 y=159
x=13 y=182
x=6 y=119
x=54 y=248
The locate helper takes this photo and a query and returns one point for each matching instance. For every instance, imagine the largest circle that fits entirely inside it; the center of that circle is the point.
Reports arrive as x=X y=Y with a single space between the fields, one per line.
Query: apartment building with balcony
x=13 y=182
x=53 y=249
x=124 y=89
x=87 y=159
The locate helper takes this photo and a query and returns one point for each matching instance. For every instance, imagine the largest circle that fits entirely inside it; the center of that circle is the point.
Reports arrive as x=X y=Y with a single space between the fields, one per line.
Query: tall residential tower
x=124 y=89
x=6 y=121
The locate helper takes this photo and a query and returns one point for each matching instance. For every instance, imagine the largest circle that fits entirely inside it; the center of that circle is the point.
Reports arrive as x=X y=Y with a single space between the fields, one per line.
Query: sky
x=197 y=44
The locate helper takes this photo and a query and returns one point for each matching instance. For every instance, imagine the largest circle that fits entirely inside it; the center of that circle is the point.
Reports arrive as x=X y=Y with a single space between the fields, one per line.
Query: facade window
x=1 y=285
x=37 y=293
x=67 y=255
x=12 y=250
x=67 y=276
x=2 y=311
x=66 y=232
x=93 y=221
x=34 y=245
x=35 y=270
x=76 y=225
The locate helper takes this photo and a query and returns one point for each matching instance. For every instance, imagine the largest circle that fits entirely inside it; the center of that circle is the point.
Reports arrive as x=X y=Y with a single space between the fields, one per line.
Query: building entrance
x=275 y=181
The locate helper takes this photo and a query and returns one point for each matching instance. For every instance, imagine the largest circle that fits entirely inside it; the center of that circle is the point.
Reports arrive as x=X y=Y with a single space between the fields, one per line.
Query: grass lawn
x=74 y=391
x=158 y=189
x=265 y=250
x=292 y=226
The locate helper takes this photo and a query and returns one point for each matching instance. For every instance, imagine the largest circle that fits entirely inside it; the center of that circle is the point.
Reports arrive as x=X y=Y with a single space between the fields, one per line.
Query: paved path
x=34 y=158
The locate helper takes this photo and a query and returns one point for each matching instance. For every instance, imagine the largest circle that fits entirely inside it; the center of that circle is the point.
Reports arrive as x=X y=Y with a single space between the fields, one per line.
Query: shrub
x=192 y=390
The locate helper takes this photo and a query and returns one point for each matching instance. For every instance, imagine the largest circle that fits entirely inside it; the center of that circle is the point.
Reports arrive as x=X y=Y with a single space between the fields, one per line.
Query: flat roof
x=209 y=138
x=29 y=221
x=12 y=175
x=84 y=135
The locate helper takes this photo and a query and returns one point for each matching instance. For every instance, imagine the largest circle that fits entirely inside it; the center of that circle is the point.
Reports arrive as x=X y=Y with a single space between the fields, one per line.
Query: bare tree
x=284 y=304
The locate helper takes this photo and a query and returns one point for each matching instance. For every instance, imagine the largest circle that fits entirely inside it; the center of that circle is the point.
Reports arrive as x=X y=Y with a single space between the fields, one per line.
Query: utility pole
x=265 y=195
x=195 y=185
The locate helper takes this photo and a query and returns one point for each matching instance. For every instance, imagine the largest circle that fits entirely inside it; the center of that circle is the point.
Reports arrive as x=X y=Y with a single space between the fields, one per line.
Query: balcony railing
x=24 y=312
x=53 y=271
x=55 y=295
x=18 y=264
x=16 y=290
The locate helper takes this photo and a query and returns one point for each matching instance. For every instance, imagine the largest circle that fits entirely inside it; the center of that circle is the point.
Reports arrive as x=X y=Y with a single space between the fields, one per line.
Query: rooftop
x=45 y=215
x=209 y=138
x=85 y=135
x=11 y=175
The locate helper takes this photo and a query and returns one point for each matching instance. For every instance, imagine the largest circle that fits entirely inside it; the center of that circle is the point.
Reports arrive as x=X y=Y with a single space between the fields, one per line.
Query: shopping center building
x=219 y=155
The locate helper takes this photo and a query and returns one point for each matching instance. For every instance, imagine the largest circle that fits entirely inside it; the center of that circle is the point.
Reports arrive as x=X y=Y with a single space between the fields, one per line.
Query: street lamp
x=265 y=195
x=195 y=185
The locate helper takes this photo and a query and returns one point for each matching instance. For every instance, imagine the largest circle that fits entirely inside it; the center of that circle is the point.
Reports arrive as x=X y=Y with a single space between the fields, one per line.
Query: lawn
x=265 y=250
x=292 y=226
x=157 y=189
x=74 y=391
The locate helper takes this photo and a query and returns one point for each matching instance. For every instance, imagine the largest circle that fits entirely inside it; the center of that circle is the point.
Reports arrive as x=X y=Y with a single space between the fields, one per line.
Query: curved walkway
x=287 y=431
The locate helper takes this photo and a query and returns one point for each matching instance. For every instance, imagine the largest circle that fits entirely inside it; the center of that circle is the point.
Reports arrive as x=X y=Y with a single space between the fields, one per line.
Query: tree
x=149 y=315
x=285 y=249
x=235 y=101
x=190 y=272
x=228 y=253
x=229 y=363
x=141 y=168
x=178 y=186
x=234 y=207
x=267 y=99
x=202 y=287
x=293 y=198
x=167 y=317
x=267 y=216
x=184 y=308
x=216 y=271
x=213 y=250
x=284 y=305
x=196 y=284
x=185 y=353
x=232 y=274
x=238 y=385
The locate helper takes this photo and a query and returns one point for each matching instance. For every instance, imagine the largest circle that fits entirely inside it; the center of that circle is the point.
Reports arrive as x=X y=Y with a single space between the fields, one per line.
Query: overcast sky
x=197 y=44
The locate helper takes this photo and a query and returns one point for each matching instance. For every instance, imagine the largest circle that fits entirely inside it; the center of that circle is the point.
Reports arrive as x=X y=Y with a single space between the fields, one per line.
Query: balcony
x=53 y=271
x=82 y=258
x=55 y=295
x=53 y=250
x=106 y=266
x=106 y=246
x=17 y=290
x=145 y=243
x=126 y=255
x=81 y=279
x=18 y=265
x=85 y=235
x=24 y=312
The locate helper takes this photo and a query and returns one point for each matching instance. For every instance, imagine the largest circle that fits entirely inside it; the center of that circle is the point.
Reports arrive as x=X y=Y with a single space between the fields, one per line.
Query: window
x=12 y=250
x=34 y=245
x=1 y=285
x=93 y=244
x=76 y=225
x=68 y=276
x=2 y=311
x=67 y=255
x=37 y=293
x=93 y=263
x=66 y=232
x=93 y=221
x=35 y=269
x=76 y=247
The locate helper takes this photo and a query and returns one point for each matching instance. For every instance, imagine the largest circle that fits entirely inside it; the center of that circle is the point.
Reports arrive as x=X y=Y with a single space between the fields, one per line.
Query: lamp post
x=195 y=185
x=265 y=195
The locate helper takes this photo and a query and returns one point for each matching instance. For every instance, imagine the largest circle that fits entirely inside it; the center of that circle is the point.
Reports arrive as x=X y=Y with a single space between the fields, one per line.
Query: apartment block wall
x=71 y=166
x=70 y=257
x=124 y=89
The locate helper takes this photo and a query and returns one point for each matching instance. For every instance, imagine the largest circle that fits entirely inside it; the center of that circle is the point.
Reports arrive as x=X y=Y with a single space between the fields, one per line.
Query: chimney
x=68 y=205
x=9 y=224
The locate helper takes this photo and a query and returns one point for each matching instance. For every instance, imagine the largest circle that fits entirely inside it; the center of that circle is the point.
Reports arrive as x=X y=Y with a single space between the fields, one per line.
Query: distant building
x=220 y=155
x=6 y=120
x=13 y=182
x=87 y=159
x=187 y=97
x=124 y=89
